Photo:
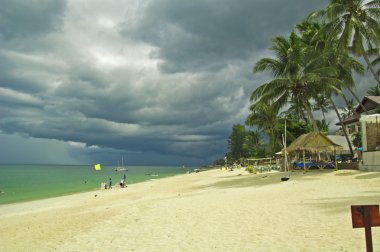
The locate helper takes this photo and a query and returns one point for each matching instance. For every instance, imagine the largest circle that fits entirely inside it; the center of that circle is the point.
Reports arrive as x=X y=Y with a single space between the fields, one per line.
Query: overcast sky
x=155 y=81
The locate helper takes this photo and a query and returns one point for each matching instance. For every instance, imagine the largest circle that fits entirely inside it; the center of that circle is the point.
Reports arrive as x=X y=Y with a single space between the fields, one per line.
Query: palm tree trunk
x=357 y=99
x=343 y=127
x=323 y=114
x=273 y=142
x=365 y=56
x=310 y=115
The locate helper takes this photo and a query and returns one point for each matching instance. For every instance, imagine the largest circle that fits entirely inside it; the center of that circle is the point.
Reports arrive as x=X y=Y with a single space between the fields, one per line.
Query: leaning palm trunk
x=343 y=127
x=310 y=115
x=272 y=140
x=357 y=99
x=365 y=56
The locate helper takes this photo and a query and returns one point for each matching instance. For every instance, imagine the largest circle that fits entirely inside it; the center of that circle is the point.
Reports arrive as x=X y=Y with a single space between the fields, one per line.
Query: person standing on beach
x=110 y=184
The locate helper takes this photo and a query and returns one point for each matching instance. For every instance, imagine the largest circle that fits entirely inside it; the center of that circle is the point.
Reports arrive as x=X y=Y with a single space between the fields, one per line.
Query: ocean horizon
x=26 y=182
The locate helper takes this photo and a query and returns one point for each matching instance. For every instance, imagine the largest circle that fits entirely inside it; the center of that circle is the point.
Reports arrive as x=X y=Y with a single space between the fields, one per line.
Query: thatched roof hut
x=313 y=142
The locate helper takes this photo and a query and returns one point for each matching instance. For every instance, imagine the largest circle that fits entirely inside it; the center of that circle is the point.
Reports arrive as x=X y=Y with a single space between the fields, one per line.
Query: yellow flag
x=97 y=167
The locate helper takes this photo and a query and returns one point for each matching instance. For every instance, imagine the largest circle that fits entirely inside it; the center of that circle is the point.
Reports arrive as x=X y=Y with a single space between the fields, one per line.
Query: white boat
x=121 y=168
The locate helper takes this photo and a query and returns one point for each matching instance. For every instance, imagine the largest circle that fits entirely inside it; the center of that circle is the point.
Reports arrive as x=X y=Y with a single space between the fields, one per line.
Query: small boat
x=121 y=168
x=152 y=174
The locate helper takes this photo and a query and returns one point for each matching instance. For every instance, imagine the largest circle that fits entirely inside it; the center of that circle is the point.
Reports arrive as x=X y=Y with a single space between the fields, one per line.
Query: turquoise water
x=30 y=182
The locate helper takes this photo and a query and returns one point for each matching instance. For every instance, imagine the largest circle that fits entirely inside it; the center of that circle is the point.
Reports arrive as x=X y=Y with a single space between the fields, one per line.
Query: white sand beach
x=215 y=210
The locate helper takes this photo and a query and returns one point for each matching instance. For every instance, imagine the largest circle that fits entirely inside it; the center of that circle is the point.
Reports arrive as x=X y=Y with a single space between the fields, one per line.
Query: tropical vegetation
x=311 y=70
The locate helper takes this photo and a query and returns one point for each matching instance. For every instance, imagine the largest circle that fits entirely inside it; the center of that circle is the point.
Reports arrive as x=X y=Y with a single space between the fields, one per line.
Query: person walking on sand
x=110 y=184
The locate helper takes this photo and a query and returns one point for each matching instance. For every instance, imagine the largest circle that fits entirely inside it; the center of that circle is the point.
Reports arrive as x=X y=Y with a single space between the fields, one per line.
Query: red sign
x=365 y=214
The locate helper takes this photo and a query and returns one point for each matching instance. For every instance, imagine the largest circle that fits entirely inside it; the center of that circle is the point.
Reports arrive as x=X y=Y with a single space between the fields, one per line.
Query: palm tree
x=265 y=118
x=375 y=91
x=323 y=49
x=375 y=52
x=253 y=143
x=323 y=104
x=356 y=22
x=349 y=109
x=294 y=75
x=295 y=111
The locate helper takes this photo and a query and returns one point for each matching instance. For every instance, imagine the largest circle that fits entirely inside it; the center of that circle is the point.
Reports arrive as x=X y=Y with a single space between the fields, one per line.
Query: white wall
x=371 y=161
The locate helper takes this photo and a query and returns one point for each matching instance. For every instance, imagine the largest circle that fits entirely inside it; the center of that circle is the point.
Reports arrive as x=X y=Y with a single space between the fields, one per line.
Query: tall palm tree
x=322 y=47
x=294 y=75
x=357 y=23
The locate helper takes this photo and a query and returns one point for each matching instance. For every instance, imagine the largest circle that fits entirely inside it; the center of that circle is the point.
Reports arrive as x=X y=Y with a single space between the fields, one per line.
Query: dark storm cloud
x=209 y=35
x=161 y=81
x=20 y=18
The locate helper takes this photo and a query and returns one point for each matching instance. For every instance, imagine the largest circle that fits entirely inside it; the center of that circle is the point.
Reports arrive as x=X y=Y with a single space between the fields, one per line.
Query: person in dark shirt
x=110 y=184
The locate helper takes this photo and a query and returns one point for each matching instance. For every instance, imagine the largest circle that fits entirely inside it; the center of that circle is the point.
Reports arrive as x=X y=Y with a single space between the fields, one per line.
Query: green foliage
x=375 y=91
x=265 y=117
x=236 y=141
x=252 y=144
x=219 y=162
x=244 y=144
x=311 y=67
x=251 y=169
x=356 y=25
x=323 y=126
x=294 y=128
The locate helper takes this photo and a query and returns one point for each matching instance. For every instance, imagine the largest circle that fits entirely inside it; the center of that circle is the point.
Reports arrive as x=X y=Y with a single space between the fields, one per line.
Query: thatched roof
x=313 y=142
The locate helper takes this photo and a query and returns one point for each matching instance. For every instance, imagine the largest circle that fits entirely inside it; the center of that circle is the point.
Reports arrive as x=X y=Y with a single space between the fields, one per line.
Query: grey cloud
x=18 y=149
x=164 y=86
x=20 y=18
x=208 y=35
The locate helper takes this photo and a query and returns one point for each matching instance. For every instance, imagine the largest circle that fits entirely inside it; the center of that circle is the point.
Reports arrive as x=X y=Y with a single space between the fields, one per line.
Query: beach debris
x=95 y=195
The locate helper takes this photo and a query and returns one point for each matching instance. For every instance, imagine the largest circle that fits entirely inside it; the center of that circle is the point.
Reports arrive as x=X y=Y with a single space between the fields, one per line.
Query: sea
x=20 y=183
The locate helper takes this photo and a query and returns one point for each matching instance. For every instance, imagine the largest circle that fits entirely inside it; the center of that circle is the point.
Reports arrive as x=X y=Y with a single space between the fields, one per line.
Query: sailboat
x=121 y=168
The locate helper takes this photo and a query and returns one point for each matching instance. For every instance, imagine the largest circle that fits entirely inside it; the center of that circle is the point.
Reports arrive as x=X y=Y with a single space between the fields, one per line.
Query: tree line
x=311 y=68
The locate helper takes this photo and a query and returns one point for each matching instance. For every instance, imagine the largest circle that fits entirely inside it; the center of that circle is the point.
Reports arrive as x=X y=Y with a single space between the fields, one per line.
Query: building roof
x=369 y=102
x=348 y=120
x=340 y=140
x=313 y=142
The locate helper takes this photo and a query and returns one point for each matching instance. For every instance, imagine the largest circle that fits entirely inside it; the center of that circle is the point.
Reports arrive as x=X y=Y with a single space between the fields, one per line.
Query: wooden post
x=336 y=161
x=304 y=161
x=367 y=229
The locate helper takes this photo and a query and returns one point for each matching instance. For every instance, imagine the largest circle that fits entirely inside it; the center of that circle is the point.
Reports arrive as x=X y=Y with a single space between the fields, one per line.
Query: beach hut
x=314 y=142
